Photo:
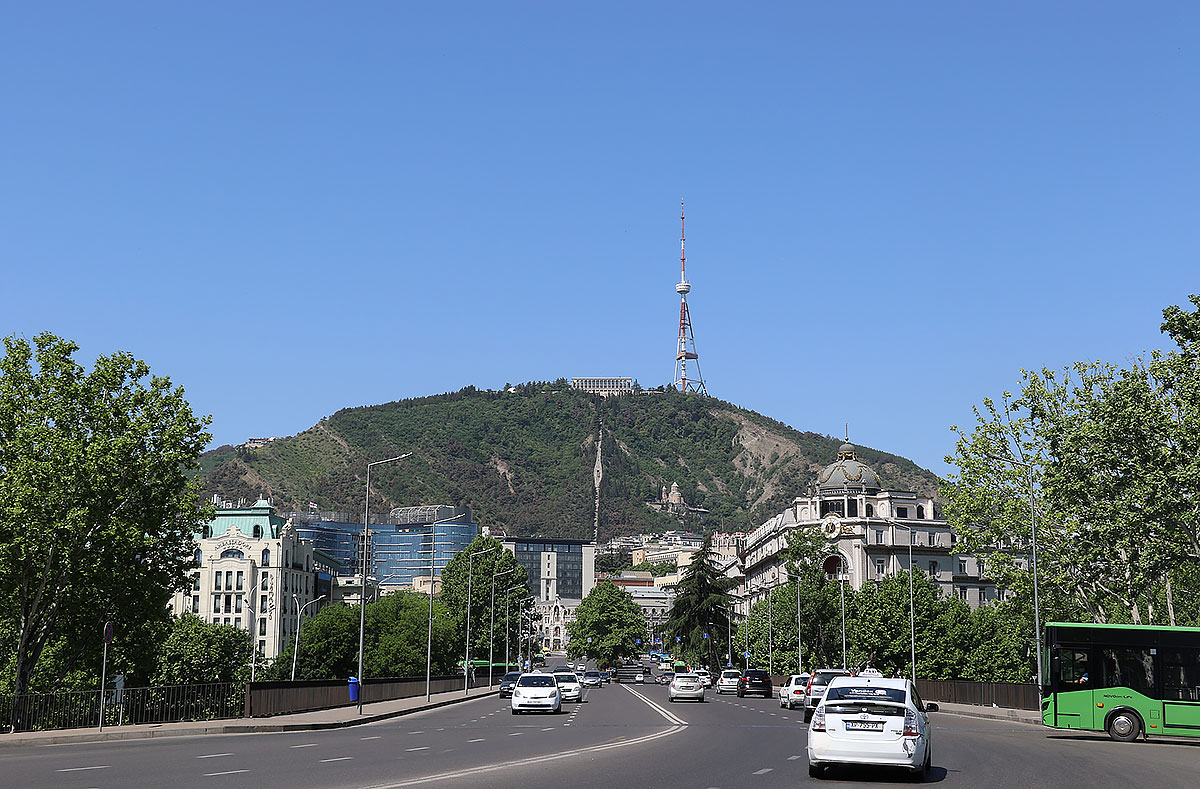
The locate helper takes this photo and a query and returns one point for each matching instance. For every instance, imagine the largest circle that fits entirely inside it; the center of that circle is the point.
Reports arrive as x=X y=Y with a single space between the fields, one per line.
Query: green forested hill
x=524 y=460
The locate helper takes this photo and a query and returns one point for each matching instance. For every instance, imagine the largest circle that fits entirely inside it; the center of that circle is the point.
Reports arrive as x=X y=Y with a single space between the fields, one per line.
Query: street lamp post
x=492 y=627
x=799 y=646
x=912 y=608
x=299 y=616
x=508 y=627
x=362 y=609
x=470 y=575
x=1037 y=616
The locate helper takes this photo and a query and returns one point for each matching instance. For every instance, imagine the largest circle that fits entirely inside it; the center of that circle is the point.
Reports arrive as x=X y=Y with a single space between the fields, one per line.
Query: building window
x=241 y=580
x=229 y=580
x=852 y=508
x=217 y=581
x=962 y=593
x=266 y=557
x=195 y=604
x=902 y=512
x=196 y=581
x=920 y=513
x=198 y=556
x=962 y=566
x=232 y=554
x=262 y=626
x=237 y=622
x=216 y=604
x=257 y=531
x=228 y=605
x=237 y=605
x=262 y=648
x=870 y=511
x=878 y=536
x=226 y=622
x=933 y=569
x=263 y=586
x=262 y=603
x=879 y=568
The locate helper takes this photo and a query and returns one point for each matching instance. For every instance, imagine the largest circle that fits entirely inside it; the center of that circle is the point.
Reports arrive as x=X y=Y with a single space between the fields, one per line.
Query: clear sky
x=290 y=208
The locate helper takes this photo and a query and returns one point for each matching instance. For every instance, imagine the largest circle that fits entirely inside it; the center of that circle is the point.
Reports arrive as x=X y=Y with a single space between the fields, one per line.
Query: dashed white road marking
x=213 y=755
x=376 y=737
x=305 y=745
x=794 y=758
x=422 y=748
x=337 y=759
x=763 y=771
x=481 y=739
x=516 y=734
x=76 y=769
x=548 y=728
x=227 y=772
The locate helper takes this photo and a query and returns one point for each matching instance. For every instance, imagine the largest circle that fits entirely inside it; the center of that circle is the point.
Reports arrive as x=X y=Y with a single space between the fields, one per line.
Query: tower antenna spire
x=686 y=346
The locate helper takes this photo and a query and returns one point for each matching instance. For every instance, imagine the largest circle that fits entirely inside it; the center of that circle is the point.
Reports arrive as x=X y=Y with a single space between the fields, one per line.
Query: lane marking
x=422 y=748
x=337 y=759
x=794 y=758
x=481 y=739
x=227 y=772
x=305 y=745
x=658 y=708
x=416 y=732
x=376 y=737
x=548 y=728
x=763 y=771
x=516 y=734
x=76 y=769
x=213 y=755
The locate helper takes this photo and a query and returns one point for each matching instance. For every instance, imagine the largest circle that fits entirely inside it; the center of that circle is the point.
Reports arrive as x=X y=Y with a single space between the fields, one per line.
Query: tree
x=702 y=606
x=196 y=651
x=97 y=508
x=508 y=573
x=607 y=626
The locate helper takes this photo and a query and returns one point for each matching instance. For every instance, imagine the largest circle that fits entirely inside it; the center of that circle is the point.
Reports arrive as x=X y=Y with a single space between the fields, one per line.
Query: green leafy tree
x=613 y=622
x=613 y=562
x=196 y=651
x=508 y=573
x=97 y=511
x=700 y=615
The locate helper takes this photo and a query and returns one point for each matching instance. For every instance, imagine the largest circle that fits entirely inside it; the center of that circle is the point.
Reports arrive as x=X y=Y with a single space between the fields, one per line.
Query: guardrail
x=1010 y=695
x=280 y=698
x=155 y=704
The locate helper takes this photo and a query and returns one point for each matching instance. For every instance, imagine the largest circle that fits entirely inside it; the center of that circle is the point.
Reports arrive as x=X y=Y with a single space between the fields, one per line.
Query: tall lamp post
x=492 y=628
x=470 y=575
x=799 y=646
x=362 y=609
x=912 y=607
x=1037 y=615
x=508 y=627
x=299 y=616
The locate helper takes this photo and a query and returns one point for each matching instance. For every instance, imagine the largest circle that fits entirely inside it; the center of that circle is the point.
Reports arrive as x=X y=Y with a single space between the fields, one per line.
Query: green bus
x=1127 y=680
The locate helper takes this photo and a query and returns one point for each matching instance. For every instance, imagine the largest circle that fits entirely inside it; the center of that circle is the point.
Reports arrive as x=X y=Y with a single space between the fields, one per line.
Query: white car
x=534 y=692
x=569 y=685
x=686 y=686
x=705 y=677
x=639 y=677
x=816 y=688
x=792 y=693
x=728 y=681
x=871 y=720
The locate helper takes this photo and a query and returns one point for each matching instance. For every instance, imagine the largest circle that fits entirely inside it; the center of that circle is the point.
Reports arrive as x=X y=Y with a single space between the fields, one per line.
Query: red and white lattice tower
x=686 y=348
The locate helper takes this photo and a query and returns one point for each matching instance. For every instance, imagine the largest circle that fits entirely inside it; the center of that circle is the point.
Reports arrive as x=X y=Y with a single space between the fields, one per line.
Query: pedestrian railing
x=1010 y=695
x=157 y=704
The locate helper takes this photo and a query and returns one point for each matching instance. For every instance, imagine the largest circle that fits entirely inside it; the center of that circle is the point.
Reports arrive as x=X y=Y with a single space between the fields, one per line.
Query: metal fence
x=159 y=704
x=1010 y=695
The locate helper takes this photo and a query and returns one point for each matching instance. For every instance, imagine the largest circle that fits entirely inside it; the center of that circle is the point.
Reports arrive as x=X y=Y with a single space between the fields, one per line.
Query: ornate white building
x=254 y=573
x=870 y=531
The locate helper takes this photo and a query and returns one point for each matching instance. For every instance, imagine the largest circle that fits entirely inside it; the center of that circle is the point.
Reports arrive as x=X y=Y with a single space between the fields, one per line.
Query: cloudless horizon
x=892 y=208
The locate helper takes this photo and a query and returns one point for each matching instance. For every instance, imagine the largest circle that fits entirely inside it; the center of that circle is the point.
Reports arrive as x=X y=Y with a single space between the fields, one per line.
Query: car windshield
x=756 y=673
x=566 y=677
x=536 y=681
x=822 y=678
x=730 y=674
x=512 y=676
x=866 y=694
x=591 y=673
x=686 y=676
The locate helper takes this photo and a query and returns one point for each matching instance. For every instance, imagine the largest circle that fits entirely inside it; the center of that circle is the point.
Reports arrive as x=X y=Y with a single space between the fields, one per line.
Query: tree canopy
x=607 y=627
x=97 y=511
x=699 y=617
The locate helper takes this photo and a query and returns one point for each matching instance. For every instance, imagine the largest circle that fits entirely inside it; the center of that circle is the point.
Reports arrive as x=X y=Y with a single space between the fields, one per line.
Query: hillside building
x=603 y=386
x=869 y=530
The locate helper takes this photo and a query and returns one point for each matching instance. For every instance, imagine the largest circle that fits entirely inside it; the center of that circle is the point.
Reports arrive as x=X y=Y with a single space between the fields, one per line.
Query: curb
x=229 y=728
x=1011 y=716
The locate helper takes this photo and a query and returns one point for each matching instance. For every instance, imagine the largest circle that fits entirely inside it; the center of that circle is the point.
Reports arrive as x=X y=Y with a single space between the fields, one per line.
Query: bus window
x=1073 y=668
x=1181 y=674
x=1129 y=668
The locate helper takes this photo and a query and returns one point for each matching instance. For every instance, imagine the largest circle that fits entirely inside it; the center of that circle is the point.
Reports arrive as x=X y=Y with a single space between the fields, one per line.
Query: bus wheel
x=1124 y=726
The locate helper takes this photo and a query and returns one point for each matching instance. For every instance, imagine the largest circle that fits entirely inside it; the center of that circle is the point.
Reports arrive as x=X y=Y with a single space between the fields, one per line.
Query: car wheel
x=919 y=774
x=514 y=712
x=1124 y=726
x=815 y=770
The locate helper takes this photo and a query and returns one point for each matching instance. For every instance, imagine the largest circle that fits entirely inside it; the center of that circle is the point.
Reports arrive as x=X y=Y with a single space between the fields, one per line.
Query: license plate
x=864 y=725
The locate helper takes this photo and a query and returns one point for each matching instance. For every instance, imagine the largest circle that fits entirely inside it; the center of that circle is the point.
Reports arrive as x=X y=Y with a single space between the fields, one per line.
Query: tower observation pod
x=685 y=349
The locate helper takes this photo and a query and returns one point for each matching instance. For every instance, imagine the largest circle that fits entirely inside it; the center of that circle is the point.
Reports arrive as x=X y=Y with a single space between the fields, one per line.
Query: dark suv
x=754 y=680
x=506 y=684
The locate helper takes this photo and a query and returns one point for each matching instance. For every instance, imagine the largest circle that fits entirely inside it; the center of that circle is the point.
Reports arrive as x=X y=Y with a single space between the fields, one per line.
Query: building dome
x=848 y=472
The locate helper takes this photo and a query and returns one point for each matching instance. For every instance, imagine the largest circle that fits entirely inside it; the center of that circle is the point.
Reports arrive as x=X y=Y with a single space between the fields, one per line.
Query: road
x=620 y=736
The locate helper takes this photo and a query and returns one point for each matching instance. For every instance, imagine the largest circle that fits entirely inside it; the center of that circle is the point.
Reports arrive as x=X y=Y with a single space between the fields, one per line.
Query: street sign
x=745 y=654
x=677 y=639
x=639 y=640
x=108 y=632
x=706 y=635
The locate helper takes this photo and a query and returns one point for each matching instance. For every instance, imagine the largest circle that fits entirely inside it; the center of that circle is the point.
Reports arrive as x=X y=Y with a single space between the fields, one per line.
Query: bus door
x=1072 y=679
x=1181 y=690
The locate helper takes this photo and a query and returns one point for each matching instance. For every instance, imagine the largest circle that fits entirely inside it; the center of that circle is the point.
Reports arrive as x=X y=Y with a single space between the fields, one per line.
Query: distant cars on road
x=569 y=685
x=728 y=681
x=754 y=680
x=686 y=686
x=592 y=679
x=793 y=692
x=816 y=688
x=871 y=720
x=507 y=682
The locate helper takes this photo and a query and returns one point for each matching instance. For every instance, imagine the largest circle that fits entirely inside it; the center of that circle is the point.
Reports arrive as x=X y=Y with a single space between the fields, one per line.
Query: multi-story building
x=870 y=531
x=560 y=572
x=604 y=386
x=255 y=572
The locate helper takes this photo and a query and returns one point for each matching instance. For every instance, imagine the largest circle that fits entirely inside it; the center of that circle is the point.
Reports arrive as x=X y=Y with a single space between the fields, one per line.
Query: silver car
x=686 y=686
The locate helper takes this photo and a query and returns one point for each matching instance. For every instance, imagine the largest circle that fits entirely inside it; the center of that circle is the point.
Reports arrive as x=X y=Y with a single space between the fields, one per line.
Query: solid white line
x=76 y=769
x=213 y=755
x=657 y=708
x=337 y=759
x=227 y=772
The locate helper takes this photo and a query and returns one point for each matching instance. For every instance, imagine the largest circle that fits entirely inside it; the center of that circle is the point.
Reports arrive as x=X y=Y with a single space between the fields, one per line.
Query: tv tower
x=686 y=348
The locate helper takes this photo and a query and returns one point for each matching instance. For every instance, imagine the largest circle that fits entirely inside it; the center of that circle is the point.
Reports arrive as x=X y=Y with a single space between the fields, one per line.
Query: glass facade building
x=401 y=552
x=556 y=567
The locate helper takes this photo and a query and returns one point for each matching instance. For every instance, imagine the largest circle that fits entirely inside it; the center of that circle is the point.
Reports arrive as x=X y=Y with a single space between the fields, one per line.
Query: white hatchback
x=536 y=692
x=686 y=686
x=728 y=681
x=870 y=720
x=792 y=692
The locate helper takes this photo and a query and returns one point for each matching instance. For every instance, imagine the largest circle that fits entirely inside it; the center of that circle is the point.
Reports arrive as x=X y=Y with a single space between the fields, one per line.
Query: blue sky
x=290 y=208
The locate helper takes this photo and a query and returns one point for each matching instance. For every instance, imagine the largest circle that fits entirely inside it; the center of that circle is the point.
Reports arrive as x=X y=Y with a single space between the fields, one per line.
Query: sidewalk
x=335 y=718
x=995 y=713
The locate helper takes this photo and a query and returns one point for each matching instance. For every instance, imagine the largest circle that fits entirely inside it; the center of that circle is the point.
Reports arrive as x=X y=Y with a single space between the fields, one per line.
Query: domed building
x=868 y=529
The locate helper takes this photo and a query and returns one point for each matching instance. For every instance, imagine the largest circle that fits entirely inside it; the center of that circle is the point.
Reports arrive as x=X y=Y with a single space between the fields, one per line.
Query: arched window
x=257 y=531
x=266 y=557
x=920 y=513
x=870 y=511
x=232 y=553
x=198 y=556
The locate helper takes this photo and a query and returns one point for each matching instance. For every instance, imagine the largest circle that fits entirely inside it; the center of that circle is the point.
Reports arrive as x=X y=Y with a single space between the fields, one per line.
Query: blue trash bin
x=354 y=689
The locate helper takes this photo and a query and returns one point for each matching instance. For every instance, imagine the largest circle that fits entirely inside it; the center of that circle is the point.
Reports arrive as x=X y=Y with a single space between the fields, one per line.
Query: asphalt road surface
x=620 y=736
